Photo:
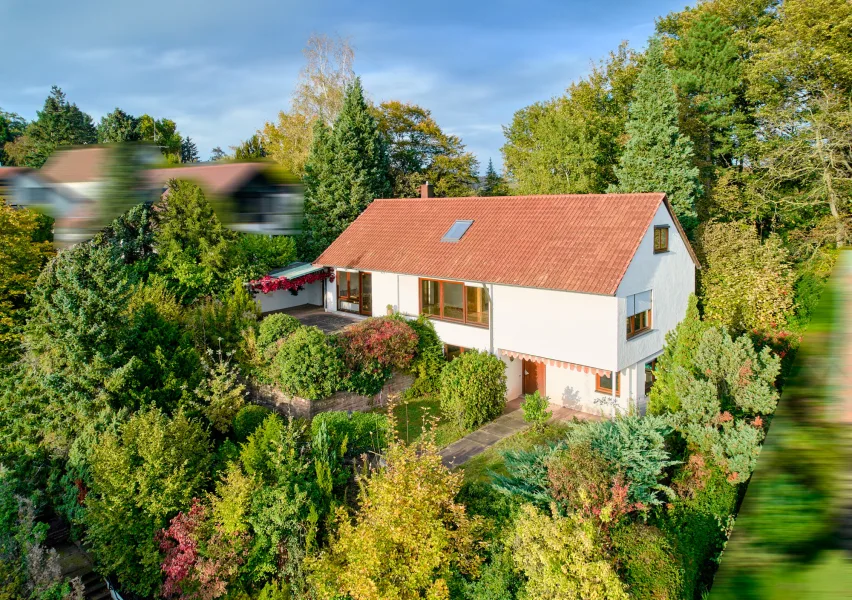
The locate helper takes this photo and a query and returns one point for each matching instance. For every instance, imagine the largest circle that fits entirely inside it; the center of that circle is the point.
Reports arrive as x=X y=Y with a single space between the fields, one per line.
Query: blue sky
x=221 y=69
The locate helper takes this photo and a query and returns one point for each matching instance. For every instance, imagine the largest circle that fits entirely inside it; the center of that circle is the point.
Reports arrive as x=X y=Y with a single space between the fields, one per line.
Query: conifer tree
x=189 y=151
x=657 y=157
x=348 y=168
x=493 y=184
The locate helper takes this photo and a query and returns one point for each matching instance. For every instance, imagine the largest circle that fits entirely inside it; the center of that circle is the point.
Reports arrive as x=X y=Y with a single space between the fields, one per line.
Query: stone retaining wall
x=293 y=406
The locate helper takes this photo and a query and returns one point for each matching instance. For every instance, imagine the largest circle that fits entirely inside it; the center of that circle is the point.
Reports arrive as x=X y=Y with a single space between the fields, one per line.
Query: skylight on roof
x=456 y=232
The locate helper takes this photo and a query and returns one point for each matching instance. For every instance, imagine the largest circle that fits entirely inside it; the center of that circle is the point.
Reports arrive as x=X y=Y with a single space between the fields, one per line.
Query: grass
x=415 y=416
x=477 y=468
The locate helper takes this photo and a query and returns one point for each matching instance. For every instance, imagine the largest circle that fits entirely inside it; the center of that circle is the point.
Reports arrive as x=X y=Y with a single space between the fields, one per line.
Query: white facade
x=574 y=334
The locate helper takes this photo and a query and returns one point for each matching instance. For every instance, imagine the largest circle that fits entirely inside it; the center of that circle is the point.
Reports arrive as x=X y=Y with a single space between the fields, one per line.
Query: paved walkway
x=509 y=424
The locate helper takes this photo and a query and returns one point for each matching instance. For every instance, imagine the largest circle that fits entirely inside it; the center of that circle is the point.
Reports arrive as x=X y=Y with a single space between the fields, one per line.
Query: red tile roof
x=580 y=243
x=76 y=165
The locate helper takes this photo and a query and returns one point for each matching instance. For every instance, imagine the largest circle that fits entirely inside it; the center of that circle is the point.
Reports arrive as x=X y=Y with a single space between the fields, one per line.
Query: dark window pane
x=453 y=351
x=430 y=298
x=477 y=305
x=454 y=301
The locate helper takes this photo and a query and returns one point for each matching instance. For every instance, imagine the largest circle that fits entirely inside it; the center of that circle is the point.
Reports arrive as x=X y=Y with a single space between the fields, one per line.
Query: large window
x=603 y=384
x=354 y=292
x=452 y=301
x=638 y=313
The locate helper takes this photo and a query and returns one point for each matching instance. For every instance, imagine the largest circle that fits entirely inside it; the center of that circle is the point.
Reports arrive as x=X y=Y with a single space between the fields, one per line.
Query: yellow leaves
x=406 y=538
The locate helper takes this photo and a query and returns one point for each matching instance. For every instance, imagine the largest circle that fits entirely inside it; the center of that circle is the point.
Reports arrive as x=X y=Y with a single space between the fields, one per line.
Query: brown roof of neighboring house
x=580 y=243
x=221 y=178
x=7 y=173
x=76 y=165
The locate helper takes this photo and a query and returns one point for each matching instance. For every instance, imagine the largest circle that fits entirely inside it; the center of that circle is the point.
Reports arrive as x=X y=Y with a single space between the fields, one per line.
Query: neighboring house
x=565 y=290
x=21 y=186
x=250 y=197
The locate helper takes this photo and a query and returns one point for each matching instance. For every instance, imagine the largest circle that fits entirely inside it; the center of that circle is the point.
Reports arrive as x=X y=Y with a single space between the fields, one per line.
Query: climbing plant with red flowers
x=267 y=284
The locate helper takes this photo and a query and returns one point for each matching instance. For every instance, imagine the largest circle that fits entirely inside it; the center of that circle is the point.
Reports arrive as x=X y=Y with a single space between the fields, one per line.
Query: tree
x=323 y=82
x=163 y=134
x=188 y=151
x=118 y=126
x=141 y=478
x=347 y=169
x=251 y=149
x=571 y=144
x=21 y=260
x=192 y=243
x=58 y=123
x=493 y=184
x=562 y=559
x=217 y=154
x=408 y=536
x=12 y=126
x=657 y=157
x=420 y=151
x=708 y=71
x=747 y=283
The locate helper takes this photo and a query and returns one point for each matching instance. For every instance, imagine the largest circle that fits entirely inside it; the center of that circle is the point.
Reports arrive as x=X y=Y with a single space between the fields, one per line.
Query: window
x=452 y=301
x=452 y=352
x=650 y=377
x=477 y=305
x=458 y=229
x=354 y=292
x=638 y=313
x=603 y=384
x=661 y=238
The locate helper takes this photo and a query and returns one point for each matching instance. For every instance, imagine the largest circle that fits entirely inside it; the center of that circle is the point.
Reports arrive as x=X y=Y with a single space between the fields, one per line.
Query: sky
x=222 y=69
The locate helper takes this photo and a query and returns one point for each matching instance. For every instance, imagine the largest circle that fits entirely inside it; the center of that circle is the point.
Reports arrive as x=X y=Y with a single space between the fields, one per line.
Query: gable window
x=638 y=313
x=453 y=301
x=661 y=238
x=603 y=384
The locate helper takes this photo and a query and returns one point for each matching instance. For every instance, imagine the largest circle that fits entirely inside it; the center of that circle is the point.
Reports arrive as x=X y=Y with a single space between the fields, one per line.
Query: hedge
x=473 y=389
x=308 y=366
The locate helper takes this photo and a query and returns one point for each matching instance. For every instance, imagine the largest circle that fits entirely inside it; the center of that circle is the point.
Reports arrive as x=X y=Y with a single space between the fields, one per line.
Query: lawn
x=478 y=467
x=416 y=415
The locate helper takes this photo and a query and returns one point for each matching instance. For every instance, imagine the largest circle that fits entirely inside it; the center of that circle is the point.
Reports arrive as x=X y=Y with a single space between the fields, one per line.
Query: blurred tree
x=12 y=127
x=163 y=133
x=217 y=154
x=494 y=185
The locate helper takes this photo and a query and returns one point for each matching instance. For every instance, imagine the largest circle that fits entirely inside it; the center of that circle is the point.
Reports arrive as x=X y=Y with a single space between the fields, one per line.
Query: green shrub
x=308 y=366
x=275 y=327
x=364 y=432
x=646 y=562
x=429 y=358
x=535 y=410
x=473 y=389
x=248 y=419
x=497 y=581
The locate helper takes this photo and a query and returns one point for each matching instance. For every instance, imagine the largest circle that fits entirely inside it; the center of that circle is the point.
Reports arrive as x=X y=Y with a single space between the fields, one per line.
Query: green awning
x=295 y=269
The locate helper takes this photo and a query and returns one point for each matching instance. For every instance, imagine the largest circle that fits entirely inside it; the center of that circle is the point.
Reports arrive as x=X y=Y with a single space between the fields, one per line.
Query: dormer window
x=661 y=238
x=456 y=232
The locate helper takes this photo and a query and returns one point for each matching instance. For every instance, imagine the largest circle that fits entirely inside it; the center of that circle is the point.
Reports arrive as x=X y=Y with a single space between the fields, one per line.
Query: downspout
x=614 y=389
x=490 y=317
x=398 y=305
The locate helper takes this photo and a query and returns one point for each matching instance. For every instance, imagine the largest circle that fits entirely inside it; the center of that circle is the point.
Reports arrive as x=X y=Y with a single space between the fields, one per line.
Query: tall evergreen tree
x=59 y=123
x=493 y=184
x=708 y=72
x=188 y=151
x=12 y=126
x=657 y=157
x=347 y=169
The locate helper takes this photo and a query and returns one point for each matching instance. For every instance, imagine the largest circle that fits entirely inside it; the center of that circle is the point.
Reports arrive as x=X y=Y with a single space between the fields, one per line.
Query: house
x=566 y=289
x=20 y=185
x=251 y=197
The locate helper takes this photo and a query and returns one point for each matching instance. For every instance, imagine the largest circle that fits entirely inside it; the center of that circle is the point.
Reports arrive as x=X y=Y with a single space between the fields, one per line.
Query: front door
x=534 y=377
x=366 y=294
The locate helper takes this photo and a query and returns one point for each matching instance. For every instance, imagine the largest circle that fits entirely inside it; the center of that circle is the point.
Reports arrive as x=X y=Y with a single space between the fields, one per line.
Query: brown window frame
x=462 y=349
x=441 y=317
x=600 y=389
x=631 y=332
x=659 y=246
x=359 y=276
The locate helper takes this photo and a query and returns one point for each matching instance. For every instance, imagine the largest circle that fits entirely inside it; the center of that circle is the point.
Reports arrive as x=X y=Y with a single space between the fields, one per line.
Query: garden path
x=510 y=423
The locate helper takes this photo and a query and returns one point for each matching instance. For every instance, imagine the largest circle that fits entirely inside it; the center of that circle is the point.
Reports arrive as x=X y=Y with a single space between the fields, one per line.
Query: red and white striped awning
x=556 y=363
